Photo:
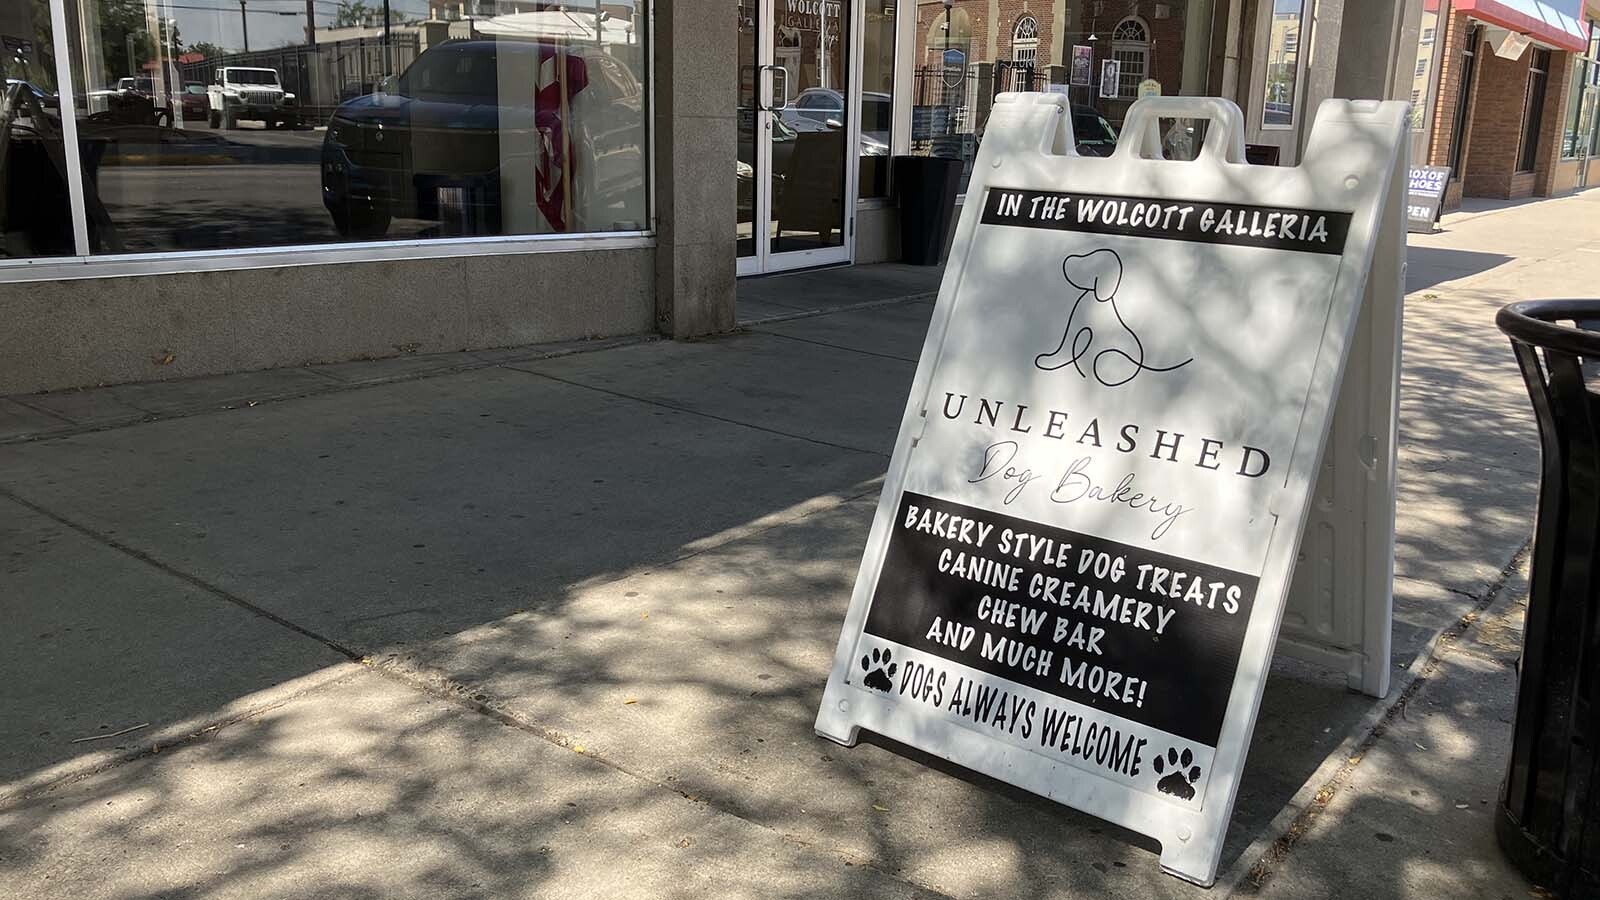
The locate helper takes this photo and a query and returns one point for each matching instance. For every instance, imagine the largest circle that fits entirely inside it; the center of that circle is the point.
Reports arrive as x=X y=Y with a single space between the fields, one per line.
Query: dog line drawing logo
x=1096 y=335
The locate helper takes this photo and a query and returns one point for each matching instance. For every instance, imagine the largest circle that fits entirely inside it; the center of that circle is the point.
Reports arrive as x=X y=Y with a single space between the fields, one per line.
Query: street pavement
x=554 y=621
x=209 y=189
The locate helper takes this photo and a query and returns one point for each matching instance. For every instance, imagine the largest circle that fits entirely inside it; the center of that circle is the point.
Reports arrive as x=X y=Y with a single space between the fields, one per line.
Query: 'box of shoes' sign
x=1082 y=553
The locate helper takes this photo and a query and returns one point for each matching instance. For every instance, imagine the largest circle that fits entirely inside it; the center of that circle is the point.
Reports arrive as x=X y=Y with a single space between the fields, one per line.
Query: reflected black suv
x=471 y=136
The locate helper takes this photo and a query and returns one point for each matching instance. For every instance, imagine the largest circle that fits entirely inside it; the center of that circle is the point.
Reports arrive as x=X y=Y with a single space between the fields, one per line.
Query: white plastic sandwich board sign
x=1085 y=544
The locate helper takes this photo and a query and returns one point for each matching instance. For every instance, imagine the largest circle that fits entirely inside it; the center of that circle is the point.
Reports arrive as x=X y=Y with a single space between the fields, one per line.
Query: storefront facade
x=1506 y=94
x=195 y=187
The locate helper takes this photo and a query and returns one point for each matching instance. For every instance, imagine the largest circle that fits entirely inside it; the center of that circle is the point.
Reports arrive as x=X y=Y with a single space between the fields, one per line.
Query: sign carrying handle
x=1141 y=131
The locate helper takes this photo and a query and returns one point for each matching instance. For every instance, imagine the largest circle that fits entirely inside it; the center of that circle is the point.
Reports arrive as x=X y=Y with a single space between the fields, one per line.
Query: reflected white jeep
x=242 y=93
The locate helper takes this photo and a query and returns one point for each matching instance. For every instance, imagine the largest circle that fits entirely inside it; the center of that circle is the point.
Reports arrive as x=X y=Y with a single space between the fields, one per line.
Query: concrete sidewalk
x=555 y=621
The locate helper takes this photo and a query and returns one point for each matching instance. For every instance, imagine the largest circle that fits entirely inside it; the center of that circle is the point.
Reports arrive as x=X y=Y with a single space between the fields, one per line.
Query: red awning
x=1545 y=22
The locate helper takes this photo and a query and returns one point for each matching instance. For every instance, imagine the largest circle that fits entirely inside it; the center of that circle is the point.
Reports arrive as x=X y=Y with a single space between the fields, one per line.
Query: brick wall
x=1166 y=32
x=1495 y=133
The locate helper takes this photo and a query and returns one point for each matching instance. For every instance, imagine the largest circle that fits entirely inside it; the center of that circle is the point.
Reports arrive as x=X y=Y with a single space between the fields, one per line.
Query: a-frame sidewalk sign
x=1151 y=439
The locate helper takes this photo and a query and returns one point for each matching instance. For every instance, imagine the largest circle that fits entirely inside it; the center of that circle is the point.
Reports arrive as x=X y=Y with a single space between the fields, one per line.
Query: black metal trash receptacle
x=1548 y=821
x=926 y=188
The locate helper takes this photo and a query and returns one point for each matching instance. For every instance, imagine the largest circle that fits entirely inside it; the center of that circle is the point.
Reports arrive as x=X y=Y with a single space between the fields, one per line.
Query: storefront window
x=214 y=127
x=877 y=96
x=1102 y=54
x=1283 y=63
x=35 y=219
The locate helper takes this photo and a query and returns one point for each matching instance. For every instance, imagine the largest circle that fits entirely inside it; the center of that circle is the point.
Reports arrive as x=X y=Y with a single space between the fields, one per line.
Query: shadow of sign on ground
x=1429 y=266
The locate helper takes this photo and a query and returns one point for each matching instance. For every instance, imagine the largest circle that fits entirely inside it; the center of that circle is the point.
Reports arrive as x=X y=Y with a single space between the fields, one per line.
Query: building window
x=1130 y=47
x=1572 y=133
x=1469 y=60
x=1024 y=53
x=877 y=96
x=203 y=130
x=1283 y=64
x=1533 y=111
x=1427 y=36
x=1423 y=88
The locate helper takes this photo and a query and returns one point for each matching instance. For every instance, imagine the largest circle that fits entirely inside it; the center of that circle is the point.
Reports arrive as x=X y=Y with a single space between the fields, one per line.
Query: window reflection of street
x=203 y=191
x=190 y=140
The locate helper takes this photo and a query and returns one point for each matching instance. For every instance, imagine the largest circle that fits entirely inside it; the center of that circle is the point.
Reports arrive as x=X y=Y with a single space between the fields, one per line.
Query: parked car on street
x=237 y=92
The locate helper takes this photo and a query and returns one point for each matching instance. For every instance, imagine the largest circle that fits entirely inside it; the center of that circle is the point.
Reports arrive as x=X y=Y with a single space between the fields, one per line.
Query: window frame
x=1124 y=51
x=1298 y=87
x=1470 y=49
x=898 y=140
x=84 y=264
x=1592 y=88
x=1572 y=136
x=1533 y=100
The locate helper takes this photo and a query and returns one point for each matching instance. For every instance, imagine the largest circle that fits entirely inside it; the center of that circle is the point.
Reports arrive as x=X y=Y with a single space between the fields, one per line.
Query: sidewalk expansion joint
x=442 y=687
x=193 y=731
x=790 y=337
x=695 y=412
x=22 y=400
x=167 y=569
x=332 y=385
x=828 y=311
x=1363 y=738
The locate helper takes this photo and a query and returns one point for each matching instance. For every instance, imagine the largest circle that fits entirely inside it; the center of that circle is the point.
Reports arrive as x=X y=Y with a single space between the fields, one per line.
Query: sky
x=217 y=21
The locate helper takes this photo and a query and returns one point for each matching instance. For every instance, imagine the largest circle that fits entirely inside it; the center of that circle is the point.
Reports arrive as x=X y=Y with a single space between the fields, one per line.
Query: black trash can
x=926 y=188
x=1548 y=821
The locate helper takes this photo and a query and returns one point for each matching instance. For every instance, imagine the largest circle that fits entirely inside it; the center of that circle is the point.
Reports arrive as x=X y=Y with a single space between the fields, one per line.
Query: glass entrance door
x=797 y=127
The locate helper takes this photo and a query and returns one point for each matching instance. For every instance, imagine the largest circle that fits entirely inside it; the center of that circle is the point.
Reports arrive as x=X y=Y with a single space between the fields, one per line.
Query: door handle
x=783 y=94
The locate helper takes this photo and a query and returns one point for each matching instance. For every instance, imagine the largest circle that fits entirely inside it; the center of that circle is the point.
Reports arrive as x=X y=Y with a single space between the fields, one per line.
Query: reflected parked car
x=458 y=140
x=195 y=105
x=1091 y=132
x=819 y=108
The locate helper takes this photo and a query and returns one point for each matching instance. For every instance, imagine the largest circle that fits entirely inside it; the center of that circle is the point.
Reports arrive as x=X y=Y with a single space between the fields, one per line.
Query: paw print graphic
x=1180 y=781
x=880 y=670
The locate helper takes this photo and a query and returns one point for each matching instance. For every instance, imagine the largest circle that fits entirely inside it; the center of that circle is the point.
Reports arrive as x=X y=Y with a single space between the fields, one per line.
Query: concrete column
x=696 y=67
x=1197 y=39
x=1359 y=50
x=1375 y=26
